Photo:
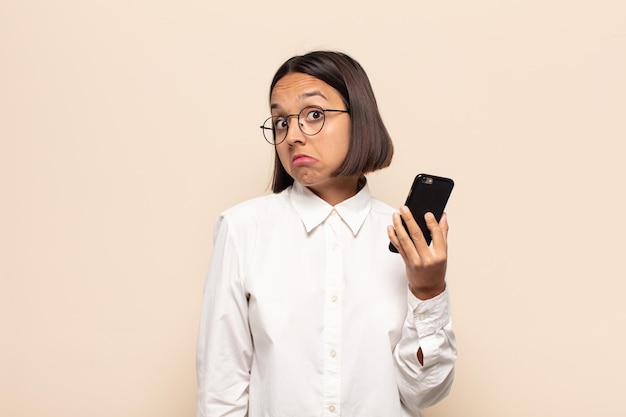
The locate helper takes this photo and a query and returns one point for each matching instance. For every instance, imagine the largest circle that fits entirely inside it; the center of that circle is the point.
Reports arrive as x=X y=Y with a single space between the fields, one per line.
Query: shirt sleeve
x=224 y=350
x=427 y=326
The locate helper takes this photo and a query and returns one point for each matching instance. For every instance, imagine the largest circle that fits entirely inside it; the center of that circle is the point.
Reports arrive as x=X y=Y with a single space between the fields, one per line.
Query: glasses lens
x=311 y=120
x=271 y=135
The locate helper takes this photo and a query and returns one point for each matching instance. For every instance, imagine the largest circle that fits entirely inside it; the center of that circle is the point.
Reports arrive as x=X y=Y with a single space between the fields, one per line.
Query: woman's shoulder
x=260 y=207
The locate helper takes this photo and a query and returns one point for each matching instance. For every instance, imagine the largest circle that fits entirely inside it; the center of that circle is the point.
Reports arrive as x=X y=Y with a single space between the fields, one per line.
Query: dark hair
x=370 y=144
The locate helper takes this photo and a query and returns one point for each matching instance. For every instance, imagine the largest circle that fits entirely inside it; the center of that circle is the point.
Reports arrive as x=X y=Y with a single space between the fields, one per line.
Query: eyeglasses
x=310 y=121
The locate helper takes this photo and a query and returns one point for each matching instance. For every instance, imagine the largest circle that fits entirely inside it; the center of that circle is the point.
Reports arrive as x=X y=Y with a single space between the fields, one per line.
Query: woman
x=306 y=312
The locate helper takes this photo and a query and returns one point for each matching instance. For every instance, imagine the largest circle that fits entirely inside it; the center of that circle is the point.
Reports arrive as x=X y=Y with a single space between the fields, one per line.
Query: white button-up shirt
x=306 y=313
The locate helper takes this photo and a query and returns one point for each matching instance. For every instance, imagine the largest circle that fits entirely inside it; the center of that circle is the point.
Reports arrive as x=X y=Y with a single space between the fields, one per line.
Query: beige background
x=126 y=126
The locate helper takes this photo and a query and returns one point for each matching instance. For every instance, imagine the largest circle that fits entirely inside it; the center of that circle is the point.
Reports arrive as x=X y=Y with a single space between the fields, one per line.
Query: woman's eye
x=280 y=124
x=315 y=115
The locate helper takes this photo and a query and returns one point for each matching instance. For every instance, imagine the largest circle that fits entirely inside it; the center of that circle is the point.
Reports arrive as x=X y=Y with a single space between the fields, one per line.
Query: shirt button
x=333 y=353
x=333 y=298
x=331 y=408
x=421 y=317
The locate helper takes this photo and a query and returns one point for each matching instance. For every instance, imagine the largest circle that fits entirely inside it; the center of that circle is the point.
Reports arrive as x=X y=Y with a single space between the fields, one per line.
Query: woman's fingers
x=415 y=232
x=439 y=232
x=414 y=240
x=405 y=241
x=426 y=265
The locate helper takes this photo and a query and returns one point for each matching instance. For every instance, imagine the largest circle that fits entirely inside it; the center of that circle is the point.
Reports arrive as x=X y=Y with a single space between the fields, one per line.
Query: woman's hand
x=425 y=265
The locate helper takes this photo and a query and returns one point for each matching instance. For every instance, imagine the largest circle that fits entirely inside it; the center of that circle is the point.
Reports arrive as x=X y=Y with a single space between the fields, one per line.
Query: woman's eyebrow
x=312 y=94
x=302 y=96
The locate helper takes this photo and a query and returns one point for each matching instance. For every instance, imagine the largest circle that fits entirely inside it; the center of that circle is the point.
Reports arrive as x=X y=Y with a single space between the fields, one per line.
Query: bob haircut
x=370 y=145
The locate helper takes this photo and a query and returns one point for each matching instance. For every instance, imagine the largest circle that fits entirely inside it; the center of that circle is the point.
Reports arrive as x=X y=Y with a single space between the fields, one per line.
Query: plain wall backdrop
x=127 y=126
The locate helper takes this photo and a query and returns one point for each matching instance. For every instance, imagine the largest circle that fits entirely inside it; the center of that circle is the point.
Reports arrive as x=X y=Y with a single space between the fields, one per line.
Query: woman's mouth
x=301 y=159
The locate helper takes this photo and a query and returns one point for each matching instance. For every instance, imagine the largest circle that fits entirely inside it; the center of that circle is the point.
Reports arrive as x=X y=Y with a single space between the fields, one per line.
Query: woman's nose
x=294 y=133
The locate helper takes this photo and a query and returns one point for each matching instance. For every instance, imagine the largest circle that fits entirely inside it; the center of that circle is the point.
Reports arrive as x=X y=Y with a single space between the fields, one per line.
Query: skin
x=311 y=160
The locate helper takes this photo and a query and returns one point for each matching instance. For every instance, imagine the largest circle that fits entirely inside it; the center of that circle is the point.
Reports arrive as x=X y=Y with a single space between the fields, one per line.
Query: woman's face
x=311 y=160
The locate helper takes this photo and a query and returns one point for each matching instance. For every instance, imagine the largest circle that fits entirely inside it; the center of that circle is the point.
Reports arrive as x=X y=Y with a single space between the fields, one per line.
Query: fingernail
x=429 y=216
x=404 y=209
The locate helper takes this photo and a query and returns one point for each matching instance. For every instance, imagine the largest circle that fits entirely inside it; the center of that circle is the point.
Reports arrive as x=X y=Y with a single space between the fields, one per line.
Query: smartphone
x=428 y=193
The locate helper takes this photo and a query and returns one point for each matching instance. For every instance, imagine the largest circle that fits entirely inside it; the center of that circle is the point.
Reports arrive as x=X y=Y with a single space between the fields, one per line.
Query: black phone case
x=429 y=193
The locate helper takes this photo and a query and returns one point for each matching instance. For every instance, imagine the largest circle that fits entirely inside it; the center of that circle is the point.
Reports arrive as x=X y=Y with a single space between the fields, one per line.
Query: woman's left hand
x=425 y=265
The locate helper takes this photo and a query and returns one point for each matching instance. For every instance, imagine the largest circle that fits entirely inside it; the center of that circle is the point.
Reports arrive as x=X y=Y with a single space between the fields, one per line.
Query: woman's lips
x=301 y=159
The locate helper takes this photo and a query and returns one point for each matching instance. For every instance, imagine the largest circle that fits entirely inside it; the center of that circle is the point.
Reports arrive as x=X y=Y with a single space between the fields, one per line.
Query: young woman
x=306 y=312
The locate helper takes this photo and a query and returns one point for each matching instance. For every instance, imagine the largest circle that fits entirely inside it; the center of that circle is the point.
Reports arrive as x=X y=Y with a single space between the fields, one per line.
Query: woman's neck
x=339 y=189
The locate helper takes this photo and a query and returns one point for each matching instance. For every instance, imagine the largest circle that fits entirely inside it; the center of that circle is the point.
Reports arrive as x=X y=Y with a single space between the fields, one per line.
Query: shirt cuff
x=430 y=315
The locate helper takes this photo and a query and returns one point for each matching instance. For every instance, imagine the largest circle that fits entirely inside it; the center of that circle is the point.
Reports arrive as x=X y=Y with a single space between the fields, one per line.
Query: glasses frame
x=297 y=115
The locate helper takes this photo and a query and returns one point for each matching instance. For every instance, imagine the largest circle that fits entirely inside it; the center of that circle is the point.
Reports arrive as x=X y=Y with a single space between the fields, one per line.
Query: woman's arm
x=224 y=352
x=426 y=352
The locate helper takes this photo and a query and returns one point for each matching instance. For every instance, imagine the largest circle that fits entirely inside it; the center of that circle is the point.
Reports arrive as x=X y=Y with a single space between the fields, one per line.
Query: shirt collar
x=313 y=210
